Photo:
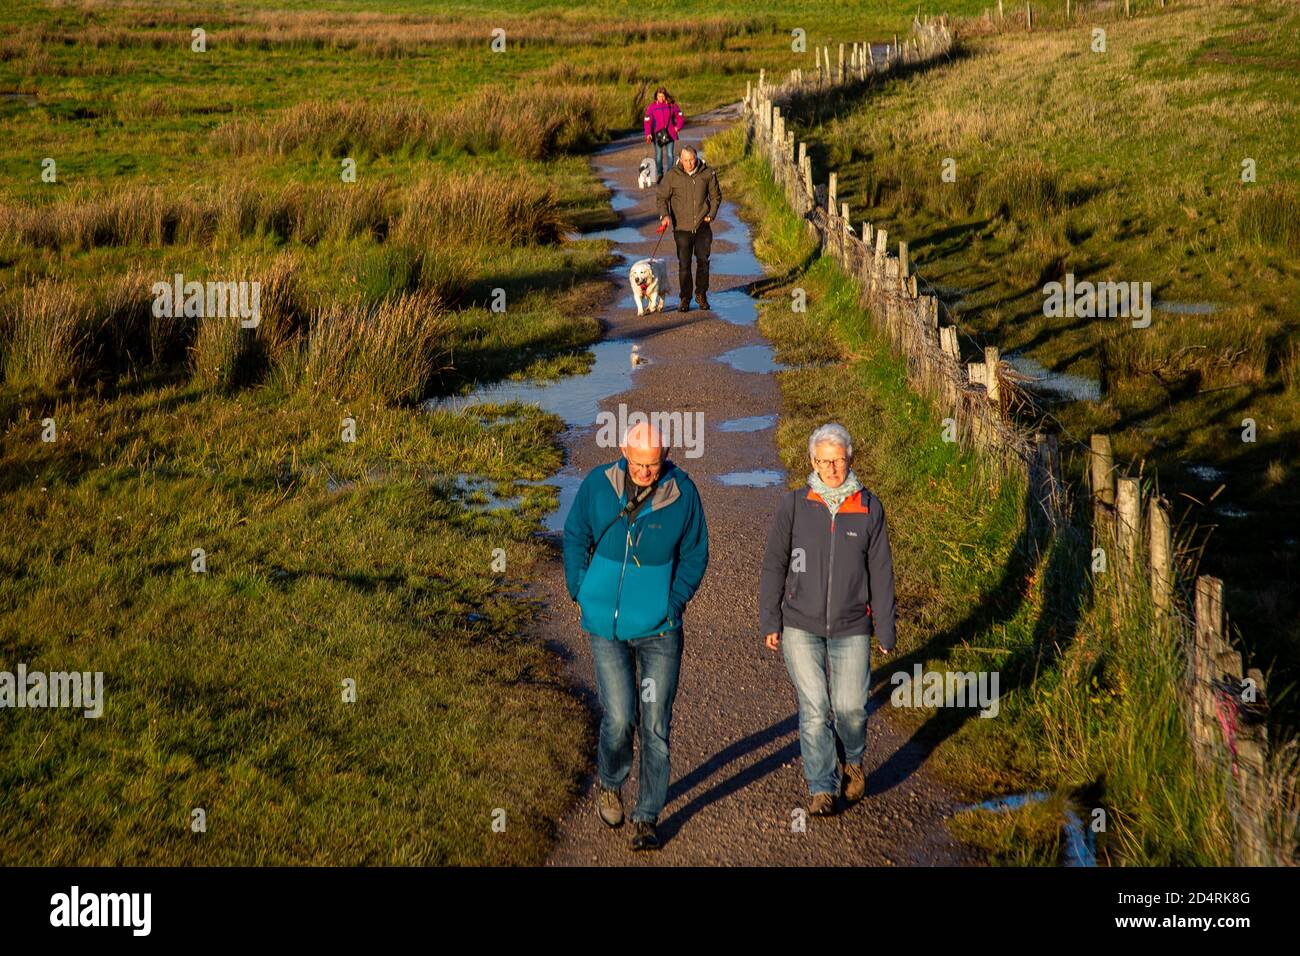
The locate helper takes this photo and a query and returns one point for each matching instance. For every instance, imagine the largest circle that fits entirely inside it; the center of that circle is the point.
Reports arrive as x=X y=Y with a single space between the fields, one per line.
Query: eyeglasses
x=830 y=462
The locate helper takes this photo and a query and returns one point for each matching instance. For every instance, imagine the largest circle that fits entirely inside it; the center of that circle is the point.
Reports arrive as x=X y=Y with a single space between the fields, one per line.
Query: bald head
x=643 y=448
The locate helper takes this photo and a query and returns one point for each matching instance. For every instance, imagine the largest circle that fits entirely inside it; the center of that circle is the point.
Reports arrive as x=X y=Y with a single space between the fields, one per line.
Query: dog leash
x=663 y=226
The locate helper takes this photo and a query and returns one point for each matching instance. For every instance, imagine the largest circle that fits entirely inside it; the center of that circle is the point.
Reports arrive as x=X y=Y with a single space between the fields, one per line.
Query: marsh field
x=390 y=181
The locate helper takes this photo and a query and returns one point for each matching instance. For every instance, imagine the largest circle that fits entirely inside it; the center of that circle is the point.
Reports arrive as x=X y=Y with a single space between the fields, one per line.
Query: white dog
x=649 y=280
x=647 y=178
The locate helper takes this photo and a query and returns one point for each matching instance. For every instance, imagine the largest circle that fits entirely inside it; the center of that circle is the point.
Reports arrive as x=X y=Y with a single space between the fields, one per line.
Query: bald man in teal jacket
x=636 y=546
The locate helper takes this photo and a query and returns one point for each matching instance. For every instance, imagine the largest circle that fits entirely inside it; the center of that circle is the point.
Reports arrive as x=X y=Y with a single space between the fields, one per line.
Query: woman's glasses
x=829 y=462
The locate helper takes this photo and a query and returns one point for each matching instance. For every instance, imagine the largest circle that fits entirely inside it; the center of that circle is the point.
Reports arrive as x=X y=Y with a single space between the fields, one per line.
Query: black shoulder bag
x=632 y=503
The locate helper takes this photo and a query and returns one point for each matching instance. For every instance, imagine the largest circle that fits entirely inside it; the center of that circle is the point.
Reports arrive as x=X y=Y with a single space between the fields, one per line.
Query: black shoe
x=645 y=837
x=685 y=306
x=702 y=301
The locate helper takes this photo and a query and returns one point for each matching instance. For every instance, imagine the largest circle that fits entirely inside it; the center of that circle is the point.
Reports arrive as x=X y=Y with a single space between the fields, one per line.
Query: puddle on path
x=576 y=398
x=754 y=423
x=627 y=234
x=752 y=358
x=1063 y=384
x=735 y=306
x=757 y=478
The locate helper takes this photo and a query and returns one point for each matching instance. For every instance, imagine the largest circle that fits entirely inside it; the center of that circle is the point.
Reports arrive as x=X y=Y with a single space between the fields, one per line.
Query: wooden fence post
x=1162 y=559
x=1101 y=470
x=1128 y=519
x=1206 y=635
x=991 y=374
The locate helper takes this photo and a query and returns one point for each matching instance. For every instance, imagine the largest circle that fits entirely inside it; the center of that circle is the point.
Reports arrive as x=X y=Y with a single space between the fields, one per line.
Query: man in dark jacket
x=635 y=549
x=827 y=583
x=689 y=197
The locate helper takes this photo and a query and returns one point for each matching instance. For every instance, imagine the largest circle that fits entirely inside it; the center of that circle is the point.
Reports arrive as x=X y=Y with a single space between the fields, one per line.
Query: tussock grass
x=1269 y=216
x=480 y=209
x=473 y=207
x=532 y=123
x=59 y=331
x=386 y=352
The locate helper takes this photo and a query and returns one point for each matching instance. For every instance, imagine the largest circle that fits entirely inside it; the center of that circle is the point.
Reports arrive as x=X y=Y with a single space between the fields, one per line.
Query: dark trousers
x=697 y=243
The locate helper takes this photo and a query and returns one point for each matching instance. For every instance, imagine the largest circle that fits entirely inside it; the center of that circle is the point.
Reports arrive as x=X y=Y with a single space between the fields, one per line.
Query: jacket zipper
x=830 y=576
x=627 y=540
x=618 y=597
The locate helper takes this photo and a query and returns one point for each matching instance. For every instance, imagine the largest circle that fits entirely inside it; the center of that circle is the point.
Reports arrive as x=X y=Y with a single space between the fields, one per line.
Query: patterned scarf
x=834 y=497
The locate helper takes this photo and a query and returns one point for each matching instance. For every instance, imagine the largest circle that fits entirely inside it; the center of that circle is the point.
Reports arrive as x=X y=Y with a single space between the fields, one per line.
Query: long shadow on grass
x=1060 y=560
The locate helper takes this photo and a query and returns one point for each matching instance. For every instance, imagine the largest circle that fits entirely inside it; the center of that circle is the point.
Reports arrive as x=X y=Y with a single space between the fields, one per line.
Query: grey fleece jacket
x=830 y=576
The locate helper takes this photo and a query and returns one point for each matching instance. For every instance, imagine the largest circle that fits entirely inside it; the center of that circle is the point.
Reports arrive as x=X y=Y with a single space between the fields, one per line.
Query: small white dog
x=647 y=178
x=649 y=280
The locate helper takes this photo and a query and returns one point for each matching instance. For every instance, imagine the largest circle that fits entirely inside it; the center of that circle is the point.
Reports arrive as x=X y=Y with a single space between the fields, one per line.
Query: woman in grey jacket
x=827 y=583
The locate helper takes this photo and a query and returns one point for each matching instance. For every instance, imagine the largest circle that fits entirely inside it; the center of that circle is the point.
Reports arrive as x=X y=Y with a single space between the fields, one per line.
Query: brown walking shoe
x=855 y=782
x=823 y=804
x=610 y=807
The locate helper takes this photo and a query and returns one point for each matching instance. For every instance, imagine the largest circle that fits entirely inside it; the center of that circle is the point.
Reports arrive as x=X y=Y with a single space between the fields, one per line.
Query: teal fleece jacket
x=644 y=571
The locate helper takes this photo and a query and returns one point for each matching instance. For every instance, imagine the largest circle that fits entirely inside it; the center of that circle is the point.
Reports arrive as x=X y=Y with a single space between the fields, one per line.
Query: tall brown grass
x=481 y=209
x=473 y=207
x=385 y=352
x=531 y=124
x=59 y=331
x=1270 y=216
x=224 y=354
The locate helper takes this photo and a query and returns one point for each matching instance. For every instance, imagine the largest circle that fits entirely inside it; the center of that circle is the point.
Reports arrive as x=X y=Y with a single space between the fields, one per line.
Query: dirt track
x=736 y=773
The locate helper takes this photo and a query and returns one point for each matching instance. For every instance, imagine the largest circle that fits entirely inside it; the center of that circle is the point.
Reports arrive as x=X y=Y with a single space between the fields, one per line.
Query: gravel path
x=737 y=776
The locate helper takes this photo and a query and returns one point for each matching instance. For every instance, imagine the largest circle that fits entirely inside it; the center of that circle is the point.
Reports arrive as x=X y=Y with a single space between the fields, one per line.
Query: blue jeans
x=668 y=148
x=658 y=659
x=806 y=659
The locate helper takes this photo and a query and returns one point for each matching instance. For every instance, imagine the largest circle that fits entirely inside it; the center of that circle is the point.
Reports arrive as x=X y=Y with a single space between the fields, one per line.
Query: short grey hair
x=690 y=149
x=832 y=433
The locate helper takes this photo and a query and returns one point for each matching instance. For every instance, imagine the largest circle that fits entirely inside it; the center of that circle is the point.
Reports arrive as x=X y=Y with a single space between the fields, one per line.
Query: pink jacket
x=663 y=116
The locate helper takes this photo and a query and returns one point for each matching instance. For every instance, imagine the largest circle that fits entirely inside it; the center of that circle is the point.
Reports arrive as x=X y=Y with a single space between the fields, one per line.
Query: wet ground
x=737 y=783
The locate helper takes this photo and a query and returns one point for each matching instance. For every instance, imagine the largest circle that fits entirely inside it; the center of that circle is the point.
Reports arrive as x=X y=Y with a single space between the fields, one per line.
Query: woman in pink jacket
x=663 y=120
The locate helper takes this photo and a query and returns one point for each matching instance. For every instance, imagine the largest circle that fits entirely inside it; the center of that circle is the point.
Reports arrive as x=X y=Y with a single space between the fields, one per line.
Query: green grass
x=326 y=560
x=1089 y=708
x=224 y=689
x=1123 y=165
